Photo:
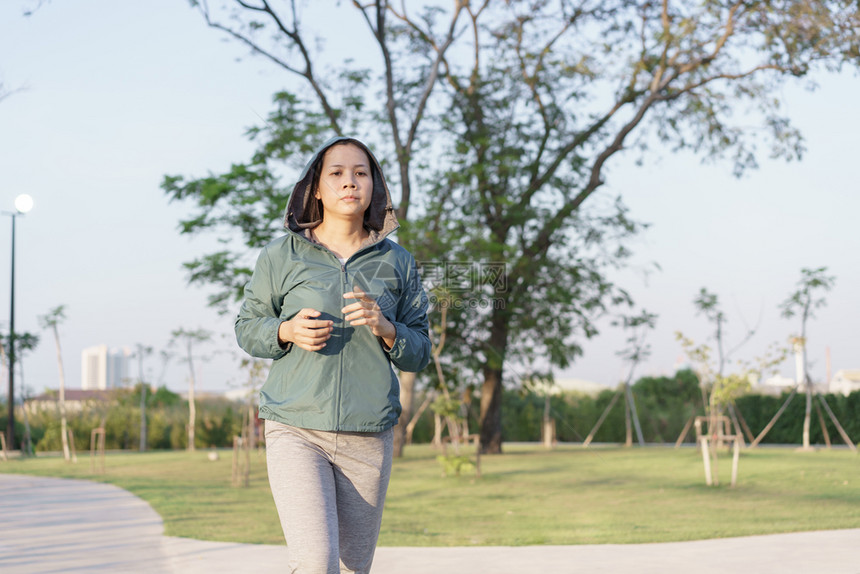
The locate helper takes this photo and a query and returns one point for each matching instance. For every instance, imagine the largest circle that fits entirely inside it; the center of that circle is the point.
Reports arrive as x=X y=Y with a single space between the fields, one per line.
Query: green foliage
x=758 y=410
x=19 y=424
x=637 y=327
x=454 y=464
x=664 y=405
x=727 y=389
x=162 y=397
x=803 y=301
x=53 y=318
x=446 y=406
x=167 y=416
x=219 y=426
x=24 y=343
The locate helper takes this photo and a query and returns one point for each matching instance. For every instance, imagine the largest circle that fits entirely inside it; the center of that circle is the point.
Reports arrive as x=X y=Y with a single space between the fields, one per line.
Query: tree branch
x=308 y=73
x=294 y=36
x=667 y=42
x=579 y=139
x=434 y=74
x=390 y=101
x=476 y=68
x=690 y=87
x=532 y=83
x=249 y=7
x=543 y=239
x=404 y=149
x=721 y=41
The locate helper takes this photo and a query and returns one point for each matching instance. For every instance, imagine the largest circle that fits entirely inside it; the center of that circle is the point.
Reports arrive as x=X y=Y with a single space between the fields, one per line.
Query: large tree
x=508 y=115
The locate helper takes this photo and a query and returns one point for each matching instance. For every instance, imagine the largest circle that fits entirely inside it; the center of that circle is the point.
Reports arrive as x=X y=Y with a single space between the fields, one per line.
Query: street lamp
x=23 y=204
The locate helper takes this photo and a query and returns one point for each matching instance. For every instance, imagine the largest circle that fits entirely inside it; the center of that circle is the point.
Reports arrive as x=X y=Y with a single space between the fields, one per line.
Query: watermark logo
x=464 y=276
x=381 y=281
x=465 y=284
x=457 y=285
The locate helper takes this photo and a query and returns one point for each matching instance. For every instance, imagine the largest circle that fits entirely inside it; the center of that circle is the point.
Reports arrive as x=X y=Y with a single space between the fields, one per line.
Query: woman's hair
x=314 y=208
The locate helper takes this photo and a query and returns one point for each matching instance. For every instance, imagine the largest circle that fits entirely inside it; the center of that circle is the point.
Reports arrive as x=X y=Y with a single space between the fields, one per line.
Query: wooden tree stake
x=602 y=418
x=839 y=428
x=736 y=454
x=97 y=450
x=823 y=425
x=775 y=418
x=72 y=445
x=706 y=457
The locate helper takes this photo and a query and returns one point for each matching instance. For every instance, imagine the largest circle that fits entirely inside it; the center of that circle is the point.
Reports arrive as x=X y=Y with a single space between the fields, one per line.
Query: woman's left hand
x=365 y=311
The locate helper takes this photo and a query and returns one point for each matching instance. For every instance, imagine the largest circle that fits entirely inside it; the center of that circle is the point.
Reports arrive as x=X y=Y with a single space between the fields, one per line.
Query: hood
x=379 y=219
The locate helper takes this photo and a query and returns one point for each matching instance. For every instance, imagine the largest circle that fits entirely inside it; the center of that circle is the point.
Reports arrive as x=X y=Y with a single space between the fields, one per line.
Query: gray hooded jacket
x=348 y=385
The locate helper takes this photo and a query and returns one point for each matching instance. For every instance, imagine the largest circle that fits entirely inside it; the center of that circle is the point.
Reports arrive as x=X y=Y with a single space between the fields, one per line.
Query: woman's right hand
x=303 y=330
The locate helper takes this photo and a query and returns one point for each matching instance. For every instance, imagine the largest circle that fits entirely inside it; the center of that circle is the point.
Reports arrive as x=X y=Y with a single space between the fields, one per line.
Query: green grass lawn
x=526 y=496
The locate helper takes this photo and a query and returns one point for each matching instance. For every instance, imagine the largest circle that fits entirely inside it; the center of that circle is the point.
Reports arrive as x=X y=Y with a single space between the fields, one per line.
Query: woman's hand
x=365 y=311
x=304 y=331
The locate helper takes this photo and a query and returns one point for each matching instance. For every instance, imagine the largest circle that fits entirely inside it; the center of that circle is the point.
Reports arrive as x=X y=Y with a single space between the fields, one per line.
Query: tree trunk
x=491 y=390
x=800 y=364
x=407 y=403
x=27 y=444
x=62 y=403
x=142 y=416
x=192 y=415
x=491 y=411
x=192 y=408
x=807 y=415
x=548 y=430
x=140 y=353
x=628 y=434
x=636 y=424
x=252 y=426
x=437 y=430
x=410 y=427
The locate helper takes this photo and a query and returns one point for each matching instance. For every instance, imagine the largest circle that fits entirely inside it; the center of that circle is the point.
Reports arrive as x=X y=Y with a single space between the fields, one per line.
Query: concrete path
x=52 y=525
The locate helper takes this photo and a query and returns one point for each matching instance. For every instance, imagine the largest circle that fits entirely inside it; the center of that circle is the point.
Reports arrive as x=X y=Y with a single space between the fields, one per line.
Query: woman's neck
x=343 y=238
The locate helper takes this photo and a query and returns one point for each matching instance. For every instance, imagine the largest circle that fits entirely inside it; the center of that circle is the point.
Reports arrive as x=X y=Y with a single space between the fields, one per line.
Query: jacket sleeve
x=411 y=349
x=259 y=317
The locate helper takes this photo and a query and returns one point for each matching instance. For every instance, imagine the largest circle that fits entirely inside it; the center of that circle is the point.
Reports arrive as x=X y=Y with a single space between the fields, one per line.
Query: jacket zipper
x=344 y=283
x=344 y=287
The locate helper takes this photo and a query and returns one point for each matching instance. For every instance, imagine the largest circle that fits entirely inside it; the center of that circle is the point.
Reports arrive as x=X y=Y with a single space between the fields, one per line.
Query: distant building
x=103 y=368
x=774 y=385
x=571 y=385
x=241 y=395
x=845 y=381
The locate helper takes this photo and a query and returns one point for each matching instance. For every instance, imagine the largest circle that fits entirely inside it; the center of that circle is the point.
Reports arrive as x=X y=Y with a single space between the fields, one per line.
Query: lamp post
x=23 y=204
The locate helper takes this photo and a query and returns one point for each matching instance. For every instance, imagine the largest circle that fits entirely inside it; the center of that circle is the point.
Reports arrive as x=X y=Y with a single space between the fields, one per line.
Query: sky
x=115 y=95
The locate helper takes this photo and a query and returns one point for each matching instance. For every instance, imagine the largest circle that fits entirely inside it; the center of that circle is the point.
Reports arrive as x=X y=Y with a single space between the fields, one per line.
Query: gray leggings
x=329 y=489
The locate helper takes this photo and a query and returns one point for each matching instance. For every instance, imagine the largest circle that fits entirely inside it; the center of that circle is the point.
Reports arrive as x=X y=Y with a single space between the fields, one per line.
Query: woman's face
x=345 y=185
